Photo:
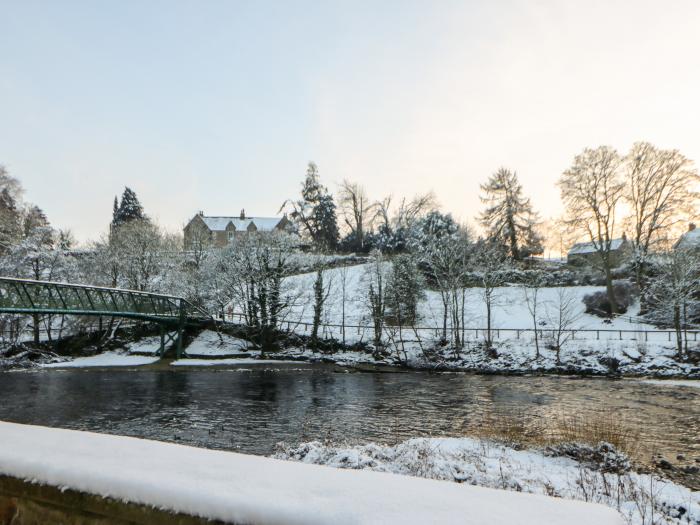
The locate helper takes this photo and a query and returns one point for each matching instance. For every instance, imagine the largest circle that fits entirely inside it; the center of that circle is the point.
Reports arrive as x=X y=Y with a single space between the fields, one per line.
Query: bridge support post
x=162 y=340
x=180 y=327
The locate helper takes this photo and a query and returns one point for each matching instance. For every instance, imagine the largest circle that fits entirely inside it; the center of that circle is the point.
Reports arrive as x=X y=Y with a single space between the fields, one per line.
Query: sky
x=219 y=106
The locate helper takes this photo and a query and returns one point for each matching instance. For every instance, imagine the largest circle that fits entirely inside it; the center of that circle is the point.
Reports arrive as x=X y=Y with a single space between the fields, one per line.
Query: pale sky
x=218 y=106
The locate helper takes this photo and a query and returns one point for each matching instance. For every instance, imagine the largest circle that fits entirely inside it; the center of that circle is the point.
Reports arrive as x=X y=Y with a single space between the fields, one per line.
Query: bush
x=598 y=304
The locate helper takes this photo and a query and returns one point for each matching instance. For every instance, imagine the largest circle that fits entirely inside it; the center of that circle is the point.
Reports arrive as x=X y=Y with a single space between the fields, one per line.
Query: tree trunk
x=609 y=289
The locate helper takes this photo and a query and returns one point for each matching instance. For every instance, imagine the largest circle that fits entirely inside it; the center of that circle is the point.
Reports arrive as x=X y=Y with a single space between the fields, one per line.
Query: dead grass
x=524 y=430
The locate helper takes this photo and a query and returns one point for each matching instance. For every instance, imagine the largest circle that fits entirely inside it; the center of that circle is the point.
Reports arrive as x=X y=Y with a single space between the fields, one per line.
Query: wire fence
x=355 y=332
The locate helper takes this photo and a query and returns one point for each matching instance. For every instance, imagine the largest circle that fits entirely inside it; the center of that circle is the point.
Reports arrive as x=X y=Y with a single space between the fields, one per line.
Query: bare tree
x=531 y=293
x=321 y=292
x=674 y=295
x=490 y=263
x=562 y=313
x=375 y=294
x=591 y=190
x=356 y=210
x=661 y=186
x=251 y=276
x=448 y=259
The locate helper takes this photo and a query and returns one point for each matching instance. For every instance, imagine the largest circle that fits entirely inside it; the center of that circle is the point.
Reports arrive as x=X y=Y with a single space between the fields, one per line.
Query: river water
x=251 y=409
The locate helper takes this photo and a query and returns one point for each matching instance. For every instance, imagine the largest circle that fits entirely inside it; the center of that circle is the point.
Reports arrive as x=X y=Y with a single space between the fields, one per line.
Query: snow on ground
x=228 y=361
x=147 y=345
x=210 y=343
x=510 y=310
x=256 y=490
x=105 y=359
x=621 y=346
x=489 y=464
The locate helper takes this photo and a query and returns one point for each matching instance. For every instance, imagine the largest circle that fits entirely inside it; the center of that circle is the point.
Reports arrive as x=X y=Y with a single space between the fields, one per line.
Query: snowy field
x=510 y=310
x=237 y=488
x=550 y=472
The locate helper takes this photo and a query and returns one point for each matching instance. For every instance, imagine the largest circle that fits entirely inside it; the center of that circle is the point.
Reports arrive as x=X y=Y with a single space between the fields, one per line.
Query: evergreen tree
x=34 y=217
x=129 y=209
x=509 y=217
x=315 y=212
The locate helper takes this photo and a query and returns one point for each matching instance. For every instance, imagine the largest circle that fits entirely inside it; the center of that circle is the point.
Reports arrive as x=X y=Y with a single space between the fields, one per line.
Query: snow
x=690 y=239
x=249 y=489
x=228 y=361
x=210 y=343
x=105 y=359
x=622 y=345
x=545 y=471
x=263 y=224
x=147 y=345
x=588 y=247
x=509 y=312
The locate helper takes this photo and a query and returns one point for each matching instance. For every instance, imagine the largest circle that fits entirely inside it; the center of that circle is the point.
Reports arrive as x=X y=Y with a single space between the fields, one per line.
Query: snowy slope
x=256 y=490
x=510 y=310
x=210 y=343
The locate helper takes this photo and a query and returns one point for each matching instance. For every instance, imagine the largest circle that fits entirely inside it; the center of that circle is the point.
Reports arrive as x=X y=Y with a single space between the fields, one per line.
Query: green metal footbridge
x=25 y=296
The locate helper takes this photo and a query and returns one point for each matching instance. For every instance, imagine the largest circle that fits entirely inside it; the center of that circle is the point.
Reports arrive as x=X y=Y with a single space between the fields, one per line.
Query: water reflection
x=251 y=410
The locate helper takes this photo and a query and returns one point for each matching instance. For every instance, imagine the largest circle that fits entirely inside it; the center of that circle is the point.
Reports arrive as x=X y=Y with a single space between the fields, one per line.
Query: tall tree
x=509 y=217
x=356 y=209
x=315 y=212
x=592 y=189
x=661 y=187
x=129 y=209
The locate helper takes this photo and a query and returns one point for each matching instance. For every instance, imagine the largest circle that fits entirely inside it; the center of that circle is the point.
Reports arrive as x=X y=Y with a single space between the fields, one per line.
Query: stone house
x=219 y=231
x=585 y=254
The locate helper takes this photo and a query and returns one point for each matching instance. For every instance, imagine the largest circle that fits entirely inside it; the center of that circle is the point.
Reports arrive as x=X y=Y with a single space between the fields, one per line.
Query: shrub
x=598 y=304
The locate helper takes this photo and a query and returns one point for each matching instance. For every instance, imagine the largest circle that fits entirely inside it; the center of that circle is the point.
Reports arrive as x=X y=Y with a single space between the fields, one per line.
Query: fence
x=354 y=332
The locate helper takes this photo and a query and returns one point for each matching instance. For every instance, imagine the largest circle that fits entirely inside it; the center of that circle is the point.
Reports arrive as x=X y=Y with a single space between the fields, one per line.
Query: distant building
x=690 y=240
x=219 y=231
x=585 y=254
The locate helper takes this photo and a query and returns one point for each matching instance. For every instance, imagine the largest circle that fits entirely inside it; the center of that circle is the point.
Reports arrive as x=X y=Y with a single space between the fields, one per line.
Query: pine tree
x=129 y=209
x=34 y=217
x=315 y=212
x=508 y=217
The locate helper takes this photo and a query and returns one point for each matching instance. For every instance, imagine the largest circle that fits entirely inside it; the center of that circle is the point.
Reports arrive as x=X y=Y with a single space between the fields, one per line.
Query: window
x=230 y=236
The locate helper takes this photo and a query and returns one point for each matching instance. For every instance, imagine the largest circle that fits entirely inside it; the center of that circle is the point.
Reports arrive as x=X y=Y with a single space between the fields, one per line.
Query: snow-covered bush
x=598 y=303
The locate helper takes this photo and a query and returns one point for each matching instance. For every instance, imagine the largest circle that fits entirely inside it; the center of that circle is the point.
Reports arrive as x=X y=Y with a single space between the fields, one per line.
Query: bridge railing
x=26 y=296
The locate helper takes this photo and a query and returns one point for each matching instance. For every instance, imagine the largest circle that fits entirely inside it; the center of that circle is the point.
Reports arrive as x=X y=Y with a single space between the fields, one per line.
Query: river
x=250 y=409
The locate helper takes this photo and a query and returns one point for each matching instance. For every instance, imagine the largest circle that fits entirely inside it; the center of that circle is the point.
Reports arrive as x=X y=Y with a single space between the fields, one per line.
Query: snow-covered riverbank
x=595 y=474
x=237 y=488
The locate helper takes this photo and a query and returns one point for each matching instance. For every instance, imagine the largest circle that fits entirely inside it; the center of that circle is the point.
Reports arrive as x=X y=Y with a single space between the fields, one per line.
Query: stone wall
x=25 y=503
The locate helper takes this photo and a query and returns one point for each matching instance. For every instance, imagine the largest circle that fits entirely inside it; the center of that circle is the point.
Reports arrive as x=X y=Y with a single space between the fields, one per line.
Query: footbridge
x=172 y=313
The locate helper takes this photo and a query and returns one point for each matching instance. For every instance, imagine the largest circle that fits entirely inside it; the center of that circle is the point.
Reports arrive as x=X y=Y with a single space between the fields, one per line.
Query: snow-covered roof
x=263 y=224
x=588 y=247
x=690 y=239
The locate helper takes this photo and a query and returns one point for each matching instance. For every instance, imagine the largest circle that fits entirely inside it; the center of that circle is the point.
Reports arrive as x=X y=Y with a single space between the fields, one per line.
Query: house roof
x=588 y=247
x=690 y=239
x=263 y=224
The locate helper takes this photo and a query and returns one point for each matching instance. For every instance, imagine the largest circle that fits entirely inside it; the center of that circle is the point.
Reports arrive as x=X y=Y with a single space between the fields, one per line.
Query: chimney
x=242 y=214
x=201 y=213
x=691 y=226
